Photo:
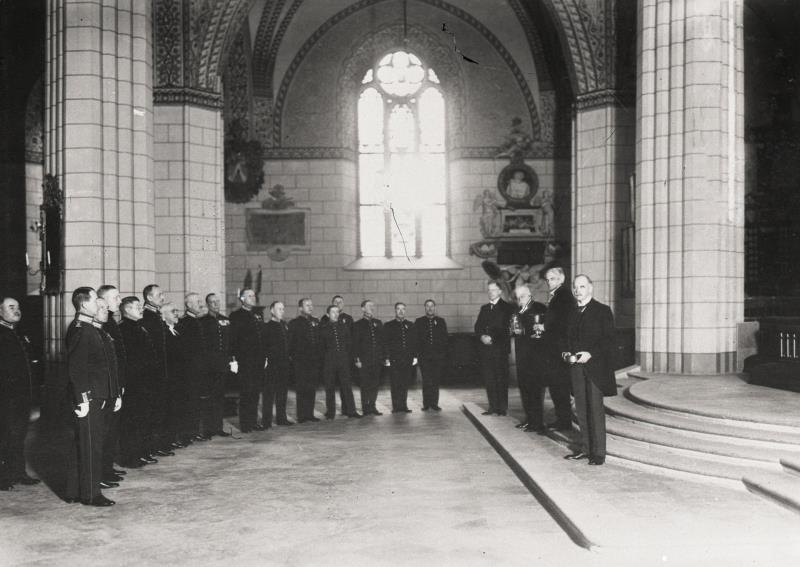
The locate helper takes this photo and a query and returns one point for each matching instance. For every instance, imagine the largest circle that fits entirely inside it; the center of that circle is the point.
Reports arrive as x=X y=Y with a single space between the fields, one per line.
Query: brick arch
x=494 y=41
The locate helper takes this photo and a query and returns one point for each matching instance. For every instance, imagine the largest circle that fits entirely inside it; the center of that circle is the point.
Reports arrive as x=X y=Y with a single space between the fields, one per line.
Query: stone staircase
x=765 y=458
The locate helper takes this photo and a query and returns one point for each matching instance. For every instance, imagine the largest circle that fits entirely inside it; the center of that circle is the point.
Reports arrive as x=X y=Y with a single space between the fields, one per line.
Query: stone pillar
x=603 y=161
x=99 y=145
x=690 y=185
x=190 y=208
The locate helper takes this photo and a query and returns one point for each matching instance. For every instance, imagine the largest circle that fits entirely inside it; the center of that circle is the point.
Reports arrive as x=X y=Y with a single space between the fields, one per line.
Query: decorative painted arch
x=493 y=40
x=224 y=23
x=418 y=41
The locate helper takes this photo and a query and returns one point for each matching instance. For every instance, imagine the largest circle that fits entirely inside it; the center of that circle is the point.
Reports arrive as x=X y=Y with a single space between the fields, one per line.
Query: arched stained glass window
x=401 y=161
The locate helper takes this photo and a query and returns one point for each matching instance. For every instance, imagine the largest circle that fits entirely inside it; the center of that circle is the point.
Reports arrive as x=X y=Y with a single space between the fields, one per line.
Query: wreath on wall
x=244 y=169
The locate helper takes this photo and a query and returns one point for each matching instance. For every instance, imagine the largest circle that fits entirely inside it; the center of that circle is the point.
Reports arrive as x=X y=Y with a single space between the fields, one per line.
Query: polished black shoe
x=597 y=460
x=98 y=501
x=148 y=460
x=112 y=478
x=5 y=485
x=436 y=408
x=199 y=438
x=425 y=408
x=576 y=456
x=406 y=410
x=521 y=425
x=108 y=484
x=376 y=412
x=71 y=500
x=26 y=480
x=285 y=422
x=179 y=445
x=119 y=472
x=314 y=419
x=165 y=453
x=501 y=412
x=222 y=434
x=355 y=415
x=540 y=429
x=260 y=428
x=559 y=426
x=246 y=429
x=329 y=416
x=487 y=412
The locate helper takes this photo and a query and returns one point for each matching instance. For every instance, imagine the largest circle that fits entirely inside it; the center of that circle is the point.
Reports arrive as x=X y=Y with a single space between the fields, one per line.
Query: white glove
x=118 y=404
x=82 y=410
x=414 y=361
x=234 y=366
x=387 y=362
x=266 y=362
x=358 y=364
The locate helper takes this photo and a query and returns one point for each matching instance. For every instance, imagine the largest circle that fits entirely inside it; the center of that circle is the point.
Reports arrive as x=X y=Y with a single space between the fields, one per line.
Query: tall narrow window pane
x=434 y=230
x=373 y=231
x=401 y=129
x=372 y=179
x=431 y=120
x=403 y=233
x=370 y=121
x=404 y=181
x=432 y=176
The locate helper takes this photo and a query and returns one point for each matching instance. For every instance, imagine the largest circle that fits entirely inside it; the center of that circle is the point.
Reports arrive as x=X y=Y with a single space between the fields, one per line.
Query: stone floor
x=416 y=489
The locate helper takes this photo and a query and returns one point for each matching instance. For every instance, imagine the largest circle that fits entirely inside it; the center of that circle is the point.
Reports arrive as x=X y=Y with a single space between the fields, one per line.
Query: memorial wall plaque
x=277 y=232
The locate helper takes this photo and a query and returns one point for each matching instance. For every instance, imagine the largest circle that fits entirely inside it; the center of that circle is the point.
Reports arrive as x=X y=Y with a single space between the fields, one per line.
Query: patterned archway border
x=352 y=9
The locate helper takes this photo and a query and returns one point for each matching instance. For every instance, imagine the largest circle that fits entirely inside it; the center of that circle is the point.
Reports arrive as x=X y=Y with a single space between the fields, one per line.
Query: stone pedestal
x=690 y=185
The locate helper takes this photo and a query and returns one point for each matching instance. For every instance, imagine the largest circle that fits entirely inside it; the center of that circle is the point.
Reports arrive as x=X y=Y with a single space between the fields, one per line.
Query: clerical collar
x=151 y=307
x=5 y=323
x=85 y=318
x=495 y=301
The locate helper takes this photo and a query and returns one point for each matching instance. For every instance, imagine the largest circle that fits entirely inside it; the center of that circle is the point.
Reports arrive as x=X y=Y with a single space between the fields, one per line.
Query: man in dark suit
x=135 y=431
x=110 y=294
x=279 y=366
x=337 y=346
x=197 y=385
x=15 y=396
x=401 y=357
x=178 y=380
x=431 y=346
x=560 y=306
x=590 y=352
x=249 y=348
x=526 y=329
x=491 y=329
x=369 y=356
x=93 y=385
x=161 y=439
x=306 y=353
x=217 y=335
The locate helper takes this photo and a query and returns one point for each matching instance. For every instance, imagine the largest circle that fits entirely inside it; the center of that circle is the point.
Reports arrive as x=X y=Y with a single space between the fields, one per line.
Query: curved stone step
x=791 y=465
x=624 y=407
x=781 y=488
x=668 y=437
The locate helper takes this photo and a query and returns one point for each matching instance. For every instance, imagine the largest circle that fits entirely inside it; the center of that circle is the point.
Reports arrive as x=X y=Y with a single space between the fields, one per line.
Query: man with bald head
x=15 y=396
x=589 y=350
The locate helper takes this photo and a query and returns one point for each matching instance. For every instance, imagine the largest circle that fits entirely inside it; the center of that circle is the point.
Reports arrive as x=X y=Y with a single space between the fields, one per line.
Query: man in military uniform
x=161 y=440
x=491 y=328
x=217 y=334
x=276 y=384
x=197 y=375
x=110 y=478
x=347 y=321
x=110 y=295
x=135 y=430
x=369 y=355
x=337 y=361
x=93 y=383
x=526 y=327
x=15 y=396
x=249 y=348
x=401 y=357
x=431 y=346
x=305 y=351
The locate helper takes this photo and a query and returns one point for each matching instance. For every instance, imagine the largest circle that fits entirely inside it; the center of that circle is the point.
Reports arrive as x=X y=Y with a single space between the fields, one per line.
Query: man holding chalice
x=526 y=326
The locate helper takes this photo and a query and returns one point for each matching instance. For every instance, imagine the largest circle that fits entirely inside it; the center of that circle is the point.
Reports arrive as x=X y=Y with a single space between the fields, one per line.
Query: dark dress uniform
x=159 y=391
x=217 y=335
x=111 y=438
x=530 y=364
x=135 y=430
x=197 y=376
x=431 y=341
x=336 y=365
x=92 y=374
x=347 y=320
x=15 y=403
x=276 y=384
x=179 y=388
x=368 y=349
x=591 y=329
x=305 y=350
x=493 y=321
x=249 y=348
x=400 y=350
x=560 y=307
